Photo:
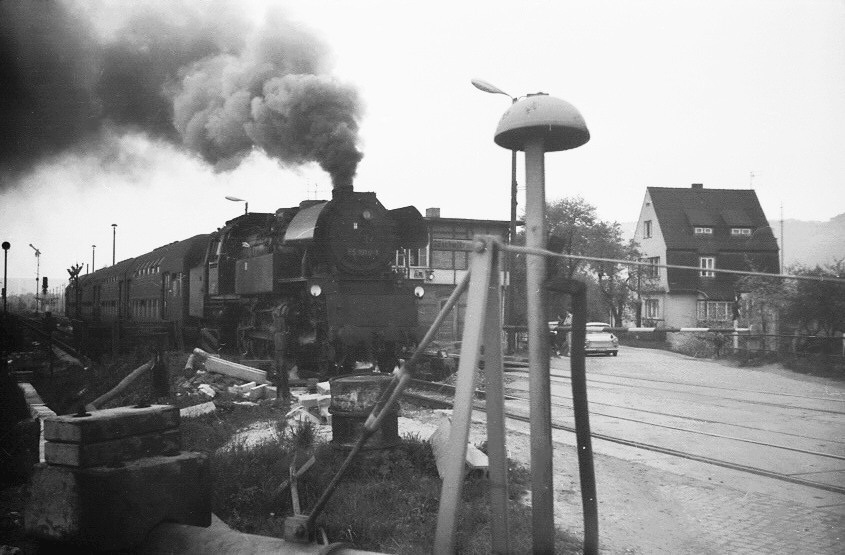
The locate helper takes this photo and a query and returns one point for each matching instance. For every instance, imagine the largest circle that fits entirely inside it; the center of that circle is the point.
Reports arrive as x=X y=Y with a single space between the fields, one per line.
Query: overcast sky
x=673 y=93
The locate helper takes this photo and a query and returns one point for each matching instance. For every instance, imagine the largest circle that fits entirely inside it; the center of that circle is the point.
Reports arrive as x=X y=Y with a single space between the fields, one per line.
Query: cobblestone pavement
x=653 y=503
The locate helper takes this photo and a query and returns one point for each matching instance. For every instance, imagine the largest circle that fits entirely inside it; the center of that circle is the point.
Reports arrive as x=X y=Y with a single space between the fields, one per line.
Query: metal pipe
x=539 y=386
x=124 y=383
x=544 y=252
x=184 y=539
x=580 y=406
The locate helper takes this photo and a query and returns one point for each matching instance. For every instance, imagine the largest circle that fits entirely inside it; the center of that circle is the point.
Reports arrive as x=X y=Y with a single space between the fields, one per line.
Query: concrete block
x=83 y=455
x=207 y=390
x=111 y=508
x=312 y=400
x=257 y=393
x=271 y=392
x=324 y=388
x=243 y=389
x=103 y=425
x=197 y=410
x=19 y=451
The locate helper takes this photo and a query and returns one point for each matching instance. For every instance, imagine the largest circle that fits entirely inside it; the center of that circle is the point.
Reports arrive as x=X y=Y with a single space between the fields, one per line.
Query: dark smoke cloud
x=206 y=80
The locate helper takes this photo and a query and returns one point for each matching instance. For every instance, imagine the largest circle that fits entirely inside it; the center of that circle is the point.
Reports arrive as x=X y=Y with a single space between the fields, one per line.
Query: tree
x=810 y=307
x=571 y=224
x=817 y=307
x=575 y=229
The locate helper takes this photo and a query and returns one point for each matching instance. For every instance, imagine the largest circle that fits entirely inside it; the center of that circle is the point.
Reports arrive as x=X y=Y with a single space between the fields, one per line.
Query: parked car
x=597 y=342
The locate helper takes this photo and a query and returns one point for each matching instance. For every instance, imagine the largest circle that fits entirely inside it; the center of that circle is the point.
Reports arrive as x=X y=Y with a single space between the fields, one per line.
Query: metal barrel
x=353 y=399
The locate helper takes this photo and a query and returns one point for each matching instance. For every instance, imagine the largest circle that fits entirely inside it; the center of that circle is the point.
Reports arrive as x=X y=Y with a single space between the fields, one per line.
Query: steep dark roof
x=679 y=210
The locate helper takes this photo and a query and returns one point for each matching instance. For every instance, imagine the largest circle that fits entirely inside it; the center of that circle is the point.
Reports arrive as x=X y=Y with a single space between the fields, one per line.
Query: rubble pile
x=209 y=381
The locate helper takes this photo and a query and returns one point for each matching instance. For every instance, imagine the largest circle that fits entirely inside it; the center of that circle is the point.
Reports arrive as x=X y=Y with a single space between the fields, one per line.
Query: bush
x=692 y=344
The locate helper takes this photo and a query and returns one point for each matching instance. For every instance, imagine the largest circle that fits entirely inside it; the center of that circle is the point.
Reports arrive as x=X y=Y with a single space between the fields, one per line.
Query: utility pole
x=113 y=242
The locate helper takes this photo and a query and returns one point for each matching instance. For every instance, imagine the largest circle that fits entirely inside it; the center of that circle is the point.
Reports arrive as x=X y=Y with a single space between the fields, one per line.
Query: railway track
x=440 y=395
x=58 y=338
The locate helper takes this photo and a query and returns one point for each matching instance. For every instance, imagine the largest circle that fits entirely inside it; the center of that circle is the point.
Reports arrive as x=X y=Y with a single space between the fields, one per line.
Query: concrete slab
x=104 y=425
x=235 y=370
x=198 y=410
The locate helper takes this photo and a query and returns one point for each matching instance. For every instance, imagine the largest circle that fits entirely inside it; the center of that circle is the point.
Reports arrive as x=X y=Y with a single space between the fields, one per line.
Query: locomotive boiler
x=314 y=282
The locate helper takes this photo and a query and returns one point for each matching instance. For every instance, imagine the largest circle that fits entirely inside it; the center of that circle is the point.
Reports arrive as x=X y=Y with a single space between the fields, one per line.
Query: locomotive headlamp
x=316 y=290
x=419 y=292
x=367 y=215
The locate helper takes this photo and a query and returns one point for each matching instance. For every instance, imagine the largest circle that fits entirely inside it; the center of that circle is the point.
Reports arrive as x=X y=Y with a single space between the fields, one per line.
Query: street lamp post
x=93 y=248
x=236 y=199
x=509 y=305
x=113 y=242
x=6 y=247
x=37 y=273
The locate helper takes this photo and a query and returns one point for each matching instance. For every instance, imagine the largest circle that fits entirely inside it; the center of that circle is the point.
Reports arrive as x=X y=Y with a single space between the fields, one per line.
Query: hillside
x=804 y=242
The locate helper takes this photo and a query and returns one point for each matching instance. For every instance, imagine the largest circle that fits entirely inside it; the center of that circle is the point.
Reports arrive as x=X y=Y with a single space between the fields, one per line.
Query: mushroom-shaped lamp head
x=556 y=121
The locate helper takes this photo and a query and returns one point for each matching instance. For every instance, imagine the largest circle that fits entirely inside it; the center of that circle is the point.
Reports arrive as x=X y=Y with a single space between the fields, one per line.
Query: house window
x=646 y=229
x=442 y=260
x=652 y=309
x=418 y=258
x=714 y=311
x=653 y=271
x=704 y=231
x=740 y=231
x=707 y=263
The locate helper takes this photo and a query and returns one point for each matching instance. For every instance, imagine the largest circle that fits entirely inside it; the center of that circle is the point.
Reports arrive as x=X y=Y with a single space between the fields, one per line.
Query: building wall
x=680 y=311
x=447 y=263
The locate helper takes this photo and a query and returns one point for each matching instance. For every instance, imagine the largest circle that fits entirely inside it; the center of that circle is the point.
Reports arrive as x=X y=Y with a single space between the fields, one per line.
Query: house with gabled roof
x=708 y=229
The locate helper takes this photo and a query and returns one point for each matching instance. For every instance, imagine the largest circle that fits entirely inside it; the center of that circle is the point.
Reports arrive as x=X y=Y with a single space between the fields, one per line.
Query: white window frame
x=652 y=309
x=703 y=231
x=647 y=229
x=707 y=265
x=714 y=311
x=422 y=257
x=740 y=231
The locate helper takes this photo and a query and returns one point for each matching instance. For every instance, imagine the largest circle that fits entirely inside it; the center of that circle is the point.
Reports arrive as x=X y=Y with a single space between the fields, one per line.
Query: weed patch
x=388 y=500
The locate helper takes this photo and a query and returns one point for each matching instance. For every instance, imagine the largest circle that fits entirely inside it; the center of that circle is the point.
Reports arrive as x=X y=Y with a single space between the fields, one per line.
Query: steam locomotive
x=315 y=281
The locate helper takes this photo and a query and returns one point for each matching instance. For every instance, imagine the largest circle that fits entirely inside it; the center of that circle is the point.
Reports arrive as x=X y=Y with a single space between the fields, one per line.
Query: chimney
x=432 y=212
x=698 y=185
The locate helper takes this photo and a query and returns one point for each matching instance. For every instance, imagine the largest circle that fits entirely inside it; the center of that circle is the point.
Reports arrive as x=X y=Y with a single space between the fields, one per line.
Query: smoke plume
x=207 y=80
